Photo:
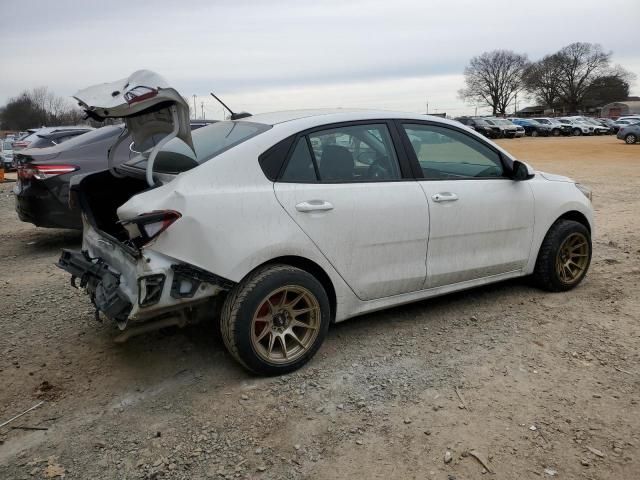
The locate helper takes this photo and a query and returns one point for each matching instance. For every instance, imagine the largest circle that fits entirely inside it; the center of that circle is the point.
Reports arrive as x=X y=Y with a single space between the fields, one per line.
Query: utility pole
x=476 y=111
x=427 y=107
x=195 y=111
x=202 y=109
x=515 y=104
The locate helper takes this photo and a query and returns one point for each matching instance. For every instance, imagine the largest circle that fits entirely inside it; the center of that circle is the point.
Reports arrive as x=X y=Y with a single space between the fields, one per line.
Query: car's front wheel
x=556 y=132
x=577 y=132
x=564 y=256
x=275 y=320
x=630 y=139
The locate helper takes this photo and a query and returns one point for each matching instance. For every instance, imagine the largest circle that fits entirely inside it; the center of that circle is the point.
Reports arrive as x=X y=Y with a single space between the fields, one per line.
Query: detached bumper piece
x=100 y=282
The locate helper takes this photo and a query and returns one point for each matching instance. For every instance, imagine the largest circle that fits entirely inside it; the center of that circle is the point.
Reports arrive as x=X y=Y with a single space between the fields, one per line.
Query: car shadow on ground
x=503 y=291
x=42 y=241
x=200 y=348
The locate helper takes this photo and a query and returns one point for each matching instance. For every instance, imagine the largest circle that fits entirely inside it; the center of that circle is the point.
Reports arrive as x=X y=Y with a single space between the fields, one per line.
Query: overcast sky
x=273 y=55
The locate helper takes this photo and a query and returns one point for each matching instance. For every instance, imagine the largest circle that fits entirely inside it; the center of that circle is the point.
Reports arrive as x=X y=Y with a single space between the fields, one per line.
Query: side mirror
x=522 y=171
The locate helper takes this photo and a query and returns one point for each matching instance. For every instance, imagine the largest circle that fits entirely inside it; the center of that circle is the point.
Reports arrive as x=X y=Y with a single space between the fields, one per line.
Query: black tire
x=556 y=132
x=545 y=275
x=242 y=303
x=576 y=132
x=630 y=139
x=534 y=133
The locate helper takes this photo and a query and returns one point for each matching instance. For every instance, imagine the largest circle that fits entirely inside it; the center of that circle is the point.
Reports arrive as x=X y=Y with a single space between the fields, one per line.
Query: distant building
x=534 y=111
x=619 y=109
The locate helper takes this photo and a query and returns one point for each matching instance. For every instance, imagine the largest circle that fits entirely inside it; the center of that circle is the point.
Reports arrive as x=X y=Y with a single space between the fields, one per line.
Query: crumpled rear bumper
x=99 y=280
x=126 y=287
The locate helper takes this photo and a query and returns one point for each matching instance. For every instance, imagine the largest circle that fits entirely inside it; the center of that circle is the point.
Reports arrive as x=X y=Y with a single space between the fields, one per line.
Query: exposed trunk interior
x=100 y=195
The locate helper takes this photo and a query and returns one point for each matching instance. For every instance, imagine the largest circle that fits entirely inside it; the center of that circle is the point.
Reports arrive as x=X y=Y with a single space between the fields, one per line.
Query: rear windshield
x=208 y=142
x=92 y=136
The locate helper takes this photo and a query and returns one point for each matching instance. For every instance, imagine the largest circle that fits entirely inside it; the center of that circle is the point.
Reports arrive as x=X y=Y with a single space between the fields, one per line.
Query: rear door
x=349 y=190
x=481 y=220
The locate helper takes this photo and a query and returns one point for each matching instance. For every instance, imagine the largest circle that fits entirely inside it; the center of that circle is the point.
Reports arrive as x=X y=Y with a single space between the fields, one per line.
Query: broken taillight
x=152 y=224
x=42 y=172
x=140 y=93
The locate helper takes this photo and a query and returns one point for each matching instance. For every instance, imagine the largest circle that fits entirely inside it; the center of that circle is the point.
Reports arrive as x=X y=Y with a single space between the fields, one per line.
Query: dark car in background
x=557 y=127
x=630 y=133
x=42 y=187
x=608 y=122
x=532 y=128
x=480 y=126
x=507 y=129
x=49 y=136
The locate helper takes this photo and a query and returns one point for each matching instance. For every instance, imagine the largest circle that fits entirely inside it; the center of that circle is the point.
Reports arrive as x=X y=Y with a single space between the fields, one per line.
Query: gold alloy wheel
x=286 y=324
x=572 y=258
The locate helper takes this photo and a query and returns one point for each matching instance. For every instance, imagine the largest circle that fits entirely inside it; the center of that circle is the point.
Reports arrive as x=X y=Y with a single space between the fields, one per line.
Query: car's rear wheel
x=564 y=256
x=275 y=320
x=577 y=132
x=630 y=139
x=534 y=133
x=556 y=132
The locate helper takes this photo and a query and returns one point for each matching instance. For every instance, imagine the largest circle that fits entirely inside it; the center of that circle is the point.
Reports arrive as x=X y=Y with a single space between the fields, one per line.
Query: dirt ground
x=536 y=385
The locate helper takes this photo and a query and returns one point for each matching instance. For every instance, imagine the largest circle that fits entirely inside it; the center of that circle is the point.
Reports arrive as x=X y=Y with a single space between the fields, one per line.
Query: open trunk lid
x=150 y=108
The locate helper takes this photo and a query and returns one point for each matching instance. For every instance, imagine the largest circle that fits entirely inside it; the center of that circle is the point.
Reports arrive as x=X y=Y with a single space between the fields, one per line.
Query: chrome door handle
x=444 y=197
x=314 y=206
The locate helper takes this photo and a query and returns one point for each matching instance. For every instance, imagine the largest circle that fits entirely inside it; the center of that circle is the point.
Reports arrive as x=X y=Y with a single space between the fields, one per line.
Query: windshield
x=480 y=122
x=7 y=146
x=208 y=142
x=503 y=122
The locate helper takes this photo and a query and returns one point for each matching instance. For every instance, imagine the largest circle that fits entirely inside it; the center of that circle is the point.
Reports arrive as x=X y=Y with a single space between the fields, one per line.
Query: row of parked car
x=513 y=127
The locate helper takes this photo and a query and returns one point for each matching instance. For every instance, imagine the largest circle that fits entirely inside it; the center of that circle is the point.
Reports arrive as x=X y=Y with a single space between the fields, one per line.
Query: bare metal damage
x=120 y=284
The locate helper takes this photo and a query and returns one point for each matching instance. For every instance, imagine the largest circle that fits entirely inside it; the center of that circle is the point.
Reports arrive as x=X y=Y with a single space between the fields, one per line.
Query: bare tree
x=542 y=80
x=581 y=64
x=494 y=78
x=39 y=107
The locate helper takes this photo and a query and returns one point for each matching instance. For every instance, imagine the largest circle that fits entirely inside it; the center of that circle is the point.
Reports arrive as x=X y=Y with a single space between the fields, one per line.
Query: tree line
x=38 y=107
x=575 y=78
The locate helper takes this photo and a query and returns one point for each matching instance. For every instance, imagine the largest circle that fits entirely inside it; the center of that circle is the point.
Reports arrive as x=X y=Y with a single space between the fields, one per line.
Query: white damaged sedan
x=277 y=225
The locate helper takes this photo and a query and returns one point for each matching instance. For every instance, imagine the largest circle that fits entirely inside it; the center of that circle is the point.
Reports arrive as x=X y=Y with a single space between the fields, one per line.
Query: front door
x=343 y=186
x=481 y=220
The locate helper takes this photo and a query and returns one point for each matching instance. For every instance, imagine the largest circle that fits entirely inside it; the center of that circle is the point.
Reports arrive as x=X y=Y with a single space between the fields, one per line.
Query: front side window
x=444 y=153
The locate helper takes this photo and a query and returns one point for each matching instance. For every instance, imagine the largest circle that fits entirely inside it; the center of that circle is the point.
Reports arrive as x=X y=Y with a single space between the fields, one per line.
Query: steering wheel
x=379 y=169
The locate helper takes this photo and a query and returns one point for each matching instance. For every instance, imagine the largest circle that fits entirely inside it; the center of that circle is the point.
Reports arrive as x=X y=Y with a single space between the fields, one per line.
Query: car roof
x=325 y=116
